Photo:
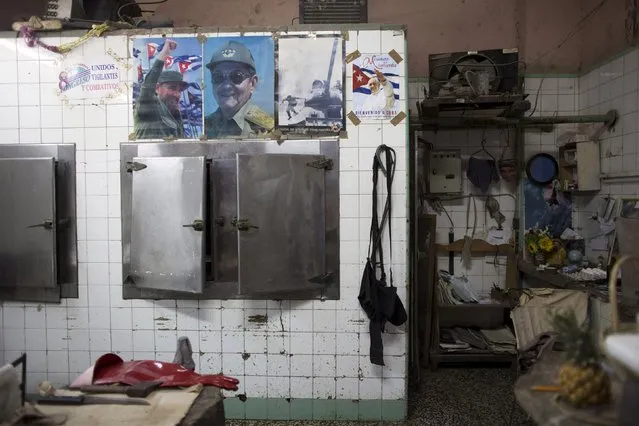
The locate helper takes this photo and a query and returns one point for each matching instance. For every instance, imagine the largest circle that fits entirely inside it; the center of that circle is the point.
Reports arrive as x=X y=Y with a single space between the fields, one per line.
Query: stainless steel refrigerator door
x=27 y=222
x=280 y=223
x=168 y=228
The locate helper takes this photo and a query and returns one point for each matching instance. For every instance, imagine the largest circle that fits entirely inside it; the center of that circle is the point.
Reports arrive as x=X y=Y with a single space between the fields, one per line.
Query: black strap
x=387 y=167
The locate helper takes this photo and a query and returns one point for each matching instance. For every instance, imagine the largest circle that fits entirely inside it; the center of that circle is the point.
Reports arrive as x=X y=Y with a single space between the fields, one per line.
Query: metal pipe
x=608 y=119
x=619 y=175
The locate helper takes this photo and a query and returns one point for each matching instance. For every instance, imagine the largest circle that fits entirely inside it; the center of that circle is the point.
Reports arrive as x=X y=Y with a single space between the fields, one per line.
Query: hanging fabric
x=379 y=300
x=481 y=172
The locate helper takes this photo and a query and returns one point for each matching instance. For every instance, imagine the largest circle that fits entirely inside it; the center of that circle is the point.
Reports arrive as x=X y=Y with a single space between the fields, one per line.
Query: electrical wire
x=132 y=3
x=437 y=202
x=554 y=50
x=505 y=148
x=439 y=208
x=460 y=197
x=572 y=32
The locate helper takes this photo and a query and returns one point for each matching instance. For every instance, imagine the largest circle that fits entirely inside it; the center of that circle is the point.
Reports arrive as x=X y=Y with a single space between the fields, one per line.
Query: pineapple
x=582 y=381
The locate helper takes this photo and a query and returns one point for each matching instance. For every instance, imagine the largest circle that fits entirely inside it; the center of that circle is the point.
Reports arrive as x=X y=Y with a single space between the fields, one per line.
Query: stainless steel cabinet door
x=280 y=223
x=167 y=226
x=27 y=222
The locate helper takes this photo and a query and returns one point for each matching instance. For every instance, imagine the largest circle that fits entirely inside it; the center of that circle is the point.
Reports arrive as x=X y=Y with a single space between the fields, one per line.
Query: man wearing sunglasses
x=234 y=80
x=157 y=110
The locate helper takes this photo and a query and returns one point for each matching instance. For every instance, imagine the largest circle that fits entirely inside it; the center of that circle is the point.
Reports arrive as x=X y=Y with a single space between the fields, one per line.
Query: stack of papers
x=501 y=340
x=452 y=290
x=449 y=341
x=473 y=337
x=461 y=339
x=445 y=295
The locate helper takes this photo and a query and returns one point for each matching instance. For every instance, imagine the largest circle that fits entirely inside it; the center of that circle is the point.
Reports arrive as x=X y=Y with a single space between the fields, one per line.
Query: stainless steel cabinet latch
x=46 y=224
x=197 y=225
x=242 y=224
x=134 y=166
x=326 y=278
x=325 y=163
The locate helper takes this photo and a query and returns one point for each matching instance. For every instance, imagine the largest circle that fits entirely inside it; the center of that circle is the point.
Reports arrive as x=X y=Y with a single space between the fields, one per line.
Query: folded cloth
x=184 y=354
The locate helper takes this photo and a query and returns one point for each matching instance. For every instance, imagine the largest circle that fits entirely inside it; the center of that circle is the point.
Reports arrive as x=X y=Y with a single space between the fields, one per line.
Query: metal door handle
x=46 y=224
x=197 y=225
x=243 y=224
x=133 y=166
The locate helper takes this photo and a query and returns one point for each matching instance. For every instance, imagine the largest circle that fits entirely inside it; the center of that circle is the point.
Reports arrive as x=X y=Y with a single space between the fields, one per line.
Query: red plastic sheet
x=110 y=369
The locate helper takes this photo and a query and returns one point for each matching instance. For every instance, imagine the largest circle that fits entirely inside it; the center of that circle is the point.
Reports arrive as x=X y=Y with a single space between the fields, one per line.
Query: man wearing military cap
x=157 y=111
x=234 y=79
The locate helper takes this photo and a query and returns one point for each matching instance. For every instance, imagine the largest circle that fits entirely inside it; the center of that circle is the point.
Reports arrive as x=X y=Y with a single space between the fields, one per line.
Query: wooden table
x=207 y=410
x=552 y=279
x=168 y=407
x=541 y=405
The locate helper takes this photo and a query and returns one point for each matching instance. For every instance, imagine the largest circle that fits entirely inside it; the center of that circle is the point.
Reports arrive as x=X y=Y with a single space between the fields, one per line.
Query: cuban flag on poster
x=376 y=87
x=185 y=66
x=188 y=63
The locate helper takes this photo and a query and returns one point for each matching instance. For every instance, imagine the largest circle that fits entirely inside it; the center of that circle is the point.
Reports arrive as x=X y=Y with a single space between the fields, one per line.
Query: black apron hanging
x=379 y=300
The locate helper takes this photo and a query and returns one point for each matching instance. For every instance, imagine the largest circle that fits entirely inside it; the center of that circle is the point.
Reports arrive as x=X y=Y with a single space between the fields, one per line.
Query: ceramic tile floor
x=446 y=397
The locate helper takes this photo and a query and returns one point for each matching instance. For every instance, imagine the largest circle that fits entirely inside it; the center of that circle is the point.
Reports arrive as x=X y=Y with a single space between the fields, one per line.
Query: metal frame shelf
x=423 y=300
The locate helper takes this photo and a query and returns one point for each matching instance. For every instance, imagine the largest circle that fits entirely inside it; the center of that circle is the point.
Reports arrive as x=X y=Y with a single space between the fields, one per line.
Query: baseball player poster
x=375 y=87
x=239 y=86
x=167 y=93
x=310 y=81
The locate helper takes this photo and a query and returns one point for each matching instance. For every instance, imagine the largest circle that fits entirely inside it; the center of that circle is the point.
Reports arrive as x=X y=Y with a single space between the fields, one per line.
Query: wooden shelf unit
x=481 y=315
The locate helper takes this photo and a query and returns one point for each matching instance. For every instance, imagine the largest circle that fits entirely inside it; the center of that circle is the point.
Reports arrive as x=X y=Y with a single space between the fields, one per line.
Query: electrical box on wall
x=444 y=171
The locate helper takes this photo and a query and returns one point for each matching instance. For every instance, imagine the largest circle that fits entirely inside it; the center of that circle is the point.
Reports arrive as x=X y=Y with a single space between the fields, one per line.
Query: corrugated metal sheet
x=333 y=11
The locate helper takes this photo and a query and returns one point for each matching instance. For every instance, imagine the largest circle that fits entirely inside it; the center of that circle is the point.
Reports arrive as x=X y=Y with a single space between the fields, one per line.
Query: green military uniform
x=152 y=119
x=250 y=121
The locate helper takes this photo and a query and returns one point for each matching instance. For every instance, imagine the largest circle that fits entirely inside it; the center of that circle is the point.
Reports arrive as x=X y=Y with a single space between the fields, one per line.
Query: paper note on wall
x=91 y=77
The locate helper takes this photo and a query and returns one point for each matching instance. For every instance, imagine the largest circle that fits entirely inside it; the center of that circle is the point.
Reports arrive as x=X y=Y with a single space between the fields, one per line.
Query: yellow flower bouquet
x=539 y=244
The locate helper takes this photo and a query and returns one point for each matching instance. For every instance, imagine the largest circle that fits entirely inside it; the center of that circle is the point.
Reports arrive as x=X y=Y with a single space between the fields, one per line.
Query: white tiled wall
x=550 y=96
x=612 y=86
x=307 y=349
